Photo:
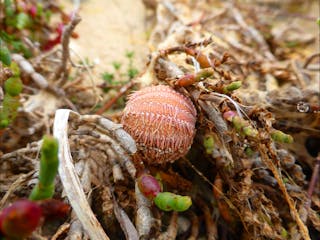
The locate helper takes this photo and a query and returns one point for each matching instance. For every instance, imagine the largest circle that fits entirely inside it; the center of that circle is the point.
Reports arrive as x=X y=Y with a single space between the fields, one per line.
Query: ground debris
x=252 y=73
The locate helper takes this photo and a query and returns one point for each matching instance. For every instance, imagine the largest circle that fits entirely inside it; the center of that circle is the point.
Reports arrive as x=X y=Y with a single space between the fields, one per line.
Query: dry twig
x=172 y=230
x=65 y=49
x=70 y=180
x=255 y=34
x=144 y=218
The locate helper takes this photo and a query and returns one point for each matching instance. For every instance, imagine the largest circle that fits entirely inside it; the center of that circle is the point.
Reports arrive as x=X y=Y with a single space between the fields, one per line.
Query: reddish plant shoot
x=53 y=208
x=229 y=115
x=57 y=40
x=149 y=186
x=32 y=11
x=20 y=219
x=204 y=60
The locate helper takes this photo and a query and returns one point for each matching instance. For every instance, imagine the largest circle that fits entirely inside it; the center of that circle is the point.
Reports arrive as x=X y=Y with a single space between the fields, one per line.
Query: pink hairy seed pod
x=162 y=122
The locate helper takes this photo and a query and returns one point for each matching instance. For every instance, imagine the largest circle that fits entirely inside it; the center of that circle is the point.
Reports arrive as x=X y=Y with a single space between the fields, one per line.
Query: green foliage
x=130 y=54
x=49 y=163
x=232 y=86
x=116 y=65
x=4 y=122
x=243 y=127
x=8 y=8
x=284 y=233
x=23 y=21
x=108 y=77
x=203 y=74
x=281 y=137
x=11 y=43
x=132 y=71
x=168 y=201
x=27 y=20
x=165 y=201
x=13 y=86
x=9 y=110
x=249 y=152
x=119 y=77
x=208 y=143
x=151 y=188
x=5 y=57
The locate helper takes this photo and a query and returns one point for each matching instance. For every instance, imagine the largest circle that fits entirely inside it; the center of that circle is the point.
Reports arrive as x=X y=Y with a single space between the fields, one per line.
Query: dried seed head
x=162 y=122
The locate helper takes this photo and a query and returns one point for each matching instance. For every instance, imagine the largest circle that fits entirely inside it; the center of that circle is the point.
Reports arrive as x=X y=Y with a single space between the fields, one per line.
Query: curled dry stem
x=40 y=80
x=20 y=180
x=121 y=143
x=211 y=226
x=144 y=218
x=70 y=180
x=65 y=49
x=194 y=227
x=264 y=153
x=172 y=229
x=255 y=34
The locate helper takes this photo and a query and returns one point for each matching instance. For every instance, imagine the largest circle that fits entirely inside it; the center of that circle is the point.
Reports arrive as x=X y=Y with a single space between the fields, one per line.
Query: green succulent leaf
x=13 y=86
x=23 y=21
x=5 y=57
x=168 y=201
x=49 y=163
x=165 y=201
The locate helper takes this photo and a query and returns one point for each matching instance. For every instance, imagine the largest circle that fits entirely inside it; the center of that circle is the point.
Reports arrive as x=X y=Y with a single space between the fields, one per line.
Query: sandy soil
x=108 y=30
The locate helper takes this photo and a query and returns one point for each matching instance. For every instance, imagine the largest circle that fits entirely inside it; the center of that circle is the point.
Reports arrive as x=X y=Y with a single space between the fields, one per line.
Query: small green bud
x=4 y=123
x=49 y=149
x=208 y=143
x=168 y=201
x=249 y=152
x=203 y=74
x=284 y=233
x=129 y=54
x=182 y=203
x=13 y=86
x=249 y=131
x=10 y=107
x=281 y=137
x=237 y=123
x=23 y=21
x=4 y=54
x=232 y=86
x=116 y=65
x=318 y=21
x=165 y=201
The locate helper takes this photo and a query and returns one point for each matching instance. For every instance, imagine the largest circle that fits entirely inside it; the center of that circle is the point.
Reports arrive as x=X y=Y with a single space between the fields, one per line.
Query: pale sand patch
x=108 y=30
